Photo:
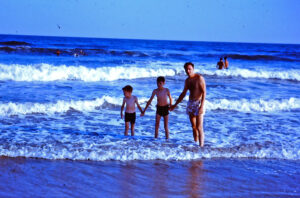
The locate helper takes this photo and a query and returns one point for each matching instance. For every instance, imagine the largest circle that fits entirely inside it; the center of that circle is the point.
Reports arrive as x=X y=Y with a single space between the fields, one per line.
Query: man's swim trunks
x=193 y=107
x=162 y=110
x=130 y=117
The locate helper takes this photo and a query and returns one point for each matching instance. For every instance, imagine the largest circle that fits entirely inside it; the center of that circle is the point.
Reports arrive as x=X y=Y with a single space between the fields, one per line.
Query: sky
x=261 y=21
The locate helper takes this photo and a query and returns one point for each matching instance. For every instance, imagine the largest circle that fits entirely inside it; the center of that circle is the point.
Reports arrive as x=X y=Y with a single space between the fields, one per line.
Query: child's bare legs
x=166 y=119
x=126 y=128
x=157 y=121
x=132 y=129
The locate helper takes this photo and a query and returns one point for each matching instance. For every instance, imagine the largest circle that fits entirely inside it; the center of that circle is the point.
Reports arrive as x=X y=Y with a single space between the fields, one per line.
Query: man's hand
x=201 y=110
x=172 y=107
x=142 y=113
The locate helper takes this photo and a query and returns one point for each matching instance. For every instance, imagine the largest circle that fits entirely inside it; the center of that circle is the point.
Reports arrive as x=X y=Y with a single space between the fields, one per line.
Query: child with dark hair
x=130 y=114
x=162 y=108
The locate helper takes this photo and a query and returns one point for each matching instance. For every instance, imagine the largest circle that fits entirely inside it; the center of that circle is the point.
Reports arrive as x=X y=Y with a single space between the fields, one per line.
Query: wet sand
x=27 y=177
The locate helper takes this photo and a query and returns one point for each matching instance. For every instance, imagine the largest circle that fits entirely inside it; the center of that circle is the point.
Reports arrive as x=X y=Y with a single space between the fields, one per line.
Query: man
x=220 y=64
x=195 y=83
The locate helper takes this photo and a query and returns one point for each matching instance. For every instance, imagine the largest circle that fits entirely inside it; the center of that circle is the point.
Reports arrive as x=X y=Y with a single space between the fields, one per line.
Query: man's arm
x=122 y=108
x=203 y=87
x=149 y=102
x=180 y=98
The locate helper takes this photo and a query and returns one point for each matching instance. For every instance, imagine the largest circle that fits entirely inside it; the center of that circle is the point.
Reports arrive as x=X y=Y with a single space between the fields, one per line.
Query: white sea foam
x=246 y=73
x=243 y=105
x=47 y=72
x=254 y=105
x=138 y=149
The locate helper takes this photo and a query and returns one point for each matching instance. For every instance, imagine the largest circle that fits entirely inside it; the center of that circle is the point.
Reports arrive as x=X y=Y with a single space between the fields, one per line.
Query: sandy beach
x=26 y=177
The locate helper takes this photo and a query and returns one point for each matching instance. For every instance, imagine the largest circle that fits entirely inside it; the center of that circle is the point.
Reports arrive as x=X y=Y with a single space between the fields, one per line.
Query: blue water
x=68 y=106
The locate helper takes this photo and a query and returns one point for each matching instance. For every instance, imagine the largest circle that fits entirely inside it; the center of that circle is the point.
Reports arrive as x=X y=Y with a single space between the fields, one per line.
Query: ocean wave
x=14 y=43
x=126 y=149
x=254 y=105
x=71 y=51
x=246 y=73
x=23 y=47
x=8 y=109
x=46 y=72
x=263 y=57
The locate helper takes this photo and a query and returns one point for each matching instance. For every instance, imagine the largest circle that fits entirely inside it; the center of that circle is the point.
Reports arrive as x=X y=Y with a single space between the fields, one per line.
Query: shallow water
x=68 y=107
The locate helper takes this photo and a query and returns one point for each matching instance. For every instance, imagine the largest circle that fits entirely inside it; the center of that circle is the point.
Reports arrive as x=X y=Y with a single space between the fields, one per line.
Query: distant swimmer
x=57 y=52
x=226 y=62
x=195 y=83
x=82 y=52
x=220 y=64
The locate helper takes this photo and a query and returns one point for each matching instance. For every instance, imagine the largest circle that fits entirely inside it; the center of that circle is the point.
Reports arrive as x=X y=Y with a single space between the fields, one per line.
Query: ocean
x=61 y=133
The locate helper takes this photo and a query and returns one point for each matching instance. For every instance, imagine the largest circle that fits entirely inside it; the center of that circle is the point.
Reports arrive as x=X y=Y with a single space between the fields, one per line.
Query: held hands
x=143 y=113
x=172 y=107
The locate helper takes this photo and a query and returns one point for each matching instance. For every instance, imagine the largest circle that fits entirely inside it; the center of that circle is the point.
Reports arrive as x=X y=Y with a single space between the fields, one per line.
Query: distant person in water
x=57 y=52
x=220 y=64
x=226 y=63
x=130 y=114
x=195 y=83
x=162 y=108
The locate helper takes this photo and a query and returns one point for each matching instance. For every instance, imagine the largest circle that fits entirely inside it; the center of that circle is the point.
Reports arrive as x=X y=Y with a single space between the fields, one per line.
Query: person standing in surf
x=162 y=107
x=220 y=64
x=226 y=63
x=195 y=83
x=130 y=114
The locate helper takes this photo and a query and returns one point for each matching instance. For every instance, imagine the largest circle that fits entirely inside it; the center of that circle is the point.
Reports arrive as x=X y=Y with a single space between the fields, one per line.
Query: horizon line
x=151 y=39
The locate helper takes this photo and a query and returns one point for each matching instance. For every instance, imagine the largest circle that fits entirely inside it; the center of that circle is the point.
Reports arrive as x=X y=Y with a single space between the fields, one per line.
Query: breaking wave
x=246 y=73
x=47 y=72
x=8 y=109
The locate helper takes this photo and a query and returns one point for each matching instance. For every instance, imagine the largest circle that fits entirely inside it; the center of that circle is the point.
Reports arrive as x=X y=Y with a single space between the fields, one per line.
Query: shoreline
x=156 y=178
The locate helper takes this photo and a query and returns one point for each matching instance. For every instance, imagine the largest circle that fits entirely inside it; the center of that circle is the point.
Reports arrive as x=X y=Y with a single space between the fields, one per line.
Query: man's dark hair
x=221 y=58
x=160 y=79
x=127 y=88
x=225 y=57
x=187 y=64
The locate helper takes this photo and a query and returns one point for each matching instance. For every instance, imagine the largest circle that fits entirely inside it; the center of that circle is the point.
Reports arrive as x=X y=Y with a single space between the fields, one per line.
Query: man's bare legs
x=157 y=121
x=132 y=129
x=199 y=123
x=126 y=128
x=194 y=127
x=166 y=120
